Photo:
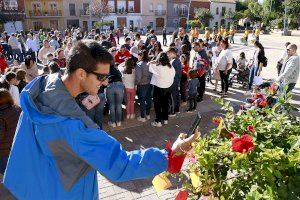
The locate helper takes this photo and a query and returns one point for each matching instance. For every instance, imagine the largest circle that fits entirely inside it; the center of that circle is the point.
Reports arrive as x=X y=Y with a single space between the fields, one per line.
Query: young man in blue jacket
x=58 y=148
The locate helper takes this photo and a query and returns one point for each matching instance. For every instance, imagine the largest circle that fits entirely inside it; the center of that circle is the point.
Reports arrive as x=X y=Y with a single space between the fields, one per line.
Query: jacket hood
x=46 y=100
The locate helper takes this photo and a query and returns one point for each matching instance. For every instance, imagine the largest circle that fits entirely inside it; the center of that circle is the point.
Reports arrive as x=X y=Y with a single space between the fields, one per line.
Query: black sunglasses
x=100 y=77
x=287 y=50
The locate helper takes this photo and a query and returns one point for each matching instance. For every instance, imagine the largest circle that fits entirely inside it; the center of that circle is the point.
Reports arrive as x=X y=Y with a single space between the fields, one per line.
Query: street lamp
x=188 y=18
x=284 y=22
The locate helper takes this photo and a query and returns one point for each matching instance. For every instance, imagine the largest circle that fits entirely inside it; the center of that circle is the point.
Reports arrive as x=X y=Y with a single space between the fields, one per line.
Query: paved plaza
x=137 y=135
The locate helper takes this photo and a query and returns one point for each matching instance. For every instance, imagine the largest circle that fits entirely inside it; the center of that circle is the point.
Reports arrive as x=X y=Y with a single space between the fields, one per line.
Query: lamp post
x=284 y=22
x=188 y=17
x=90 y=25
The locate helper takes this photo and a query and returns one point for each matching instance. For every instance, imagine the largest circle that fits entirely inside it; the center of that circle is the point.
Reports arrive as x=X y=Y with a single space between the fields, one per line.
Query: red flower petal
x=251 y=128
x=231 y=134
x=242 y=144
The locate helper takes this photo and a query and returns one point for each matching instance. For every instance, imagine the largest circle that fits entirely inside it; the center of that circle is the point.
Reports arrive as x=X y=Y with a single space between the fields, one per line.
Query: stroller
x=239 y=75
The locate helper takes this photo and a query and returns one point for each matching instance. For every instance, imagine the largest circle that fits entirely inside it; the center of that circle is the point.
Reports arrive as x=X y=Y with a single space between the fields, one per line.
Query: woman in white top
x=162 y=79
x=68 y=48
x=129 y=82
x=216 y=52
x=10 y=83
x=225 y=64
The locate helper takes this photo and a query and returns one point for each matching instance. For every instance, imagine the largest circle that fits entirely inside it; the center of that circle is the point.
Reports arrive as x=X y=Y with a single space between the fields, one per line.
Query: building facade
x=196 y=4
x=177 y=13
x=218 y=9
x=154 y=14
x=12 y=15
x=121 y=13
x=44 y=14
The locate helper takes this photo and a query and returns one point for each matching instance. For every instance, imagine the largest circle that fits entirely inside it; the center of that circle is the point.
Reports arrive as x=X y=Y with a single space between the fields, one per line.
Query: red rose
x=217 y=120
x=242 y=144
x=251 y=128
x=231 y=134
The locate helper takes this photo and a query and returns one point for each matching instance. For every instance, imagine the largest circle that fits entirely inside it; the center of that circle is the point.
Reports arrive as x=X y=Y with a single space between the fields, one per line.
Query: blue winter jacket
x=57 y=149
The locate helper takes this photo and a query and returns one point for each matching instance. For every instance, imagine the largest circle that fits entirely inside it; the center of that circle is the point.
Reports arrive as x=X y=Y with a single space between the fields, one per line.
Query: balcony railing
x=160 y=12
x=182 y=14
x=84 y=12
x=45 y=13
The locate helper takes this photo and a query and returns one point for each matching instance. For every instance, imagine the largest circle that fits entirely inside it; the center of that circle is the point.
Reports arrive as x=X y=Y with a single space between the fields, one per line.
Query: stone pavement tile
x=106 y=192
x=150 y=197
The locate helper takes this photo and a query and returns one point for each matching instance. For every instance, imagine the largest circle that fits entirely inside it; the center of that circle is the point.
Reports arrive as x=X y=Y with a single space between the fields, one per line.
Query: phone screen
x=195 y=124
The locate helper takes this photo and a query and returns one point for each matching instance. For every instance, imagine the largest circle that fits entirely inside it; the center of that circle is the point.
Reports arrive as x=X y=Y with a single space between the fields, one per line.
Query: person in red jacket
x=3 y=64
x=122 y=54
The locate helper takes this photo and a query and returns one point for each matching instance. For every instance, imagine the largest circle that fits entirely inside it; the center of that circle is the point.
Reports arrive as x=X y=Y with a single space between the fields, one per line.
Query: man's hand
x=183 y=144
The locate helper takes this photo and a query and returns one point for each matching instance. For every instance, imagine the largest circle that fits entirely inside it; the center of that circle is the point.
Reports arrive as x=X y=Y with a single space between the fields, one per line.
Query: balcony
x=182 y=14
x=160 y=12
x=85 y=12
x=45 y=13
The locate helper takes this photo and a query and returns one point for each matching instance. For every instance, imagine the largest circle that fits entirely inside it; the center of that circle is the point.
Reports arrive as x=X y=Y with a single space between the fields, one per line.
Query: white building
x=218 y=8
x=123 y=13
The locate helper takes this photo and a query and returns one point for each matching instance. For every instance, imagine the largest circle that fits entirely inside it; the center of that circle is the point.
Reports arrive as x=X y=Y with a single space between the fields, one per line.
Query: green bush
x=268 y=165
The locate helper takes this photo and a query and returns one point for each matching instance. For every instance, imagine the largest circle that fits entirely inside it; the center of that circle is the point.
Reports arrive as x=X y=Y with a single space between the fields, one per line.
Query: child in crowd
x=50 y=58
x=129 y=83
x=242 y=62
x=192 y=87
x=258 y=100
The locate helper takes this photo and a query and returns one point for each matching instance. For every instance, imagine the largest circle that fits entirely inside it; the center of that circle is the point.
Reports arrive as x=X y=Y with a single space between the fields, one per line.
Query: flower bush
x=249 y=155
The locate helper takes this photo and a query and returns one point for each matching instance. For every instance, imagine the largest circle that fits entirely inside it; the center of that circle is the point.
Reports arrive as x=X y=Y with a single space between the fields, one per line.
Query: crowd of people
x=142 y=73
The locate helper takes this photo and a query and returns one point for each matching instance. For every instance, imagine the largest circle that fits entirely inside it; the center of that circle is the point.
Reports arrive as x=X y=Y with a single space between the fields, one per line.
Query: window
x=72 y=9
x=217 y=24
x=176 y=8
x=111 y=5
x=121 y=6
x=54 y=24
x=229 y=9
x=86 y=8
x=183 y=9
x=10 y=5
x=53 y=6
x=151 y=7
x=130 y=6
x=131 y=23
x=217 y=11
x=160 y=7
x=151 y=24
x=223 y=11
x=37 y=25
x=36 y=6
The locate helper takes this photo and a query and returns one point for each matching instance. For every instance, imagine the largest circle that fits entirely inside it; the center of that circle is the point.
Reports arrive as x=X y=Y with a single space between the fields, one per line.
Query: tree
x=203 y=15
x=293 y=7
x=254 y=11
x=233 y=16
x=100 y=9
x=195 y=23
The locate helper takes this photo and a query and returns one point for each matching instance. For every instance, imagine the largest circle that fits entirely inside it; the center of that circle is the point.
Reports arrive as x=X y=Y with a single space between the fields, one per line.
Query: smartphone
x=91 y=101
x=195 y=124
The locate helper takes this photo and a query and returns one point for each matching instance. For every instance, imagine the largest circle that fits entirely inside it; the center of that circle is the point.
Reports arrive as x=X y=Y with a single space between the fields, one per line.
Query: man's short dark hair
x=127 y=39
x=87 y=54
x=172 y=50
x=287 y=44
